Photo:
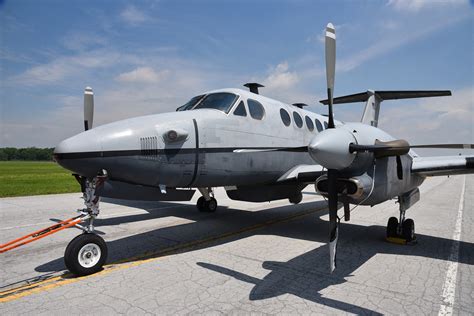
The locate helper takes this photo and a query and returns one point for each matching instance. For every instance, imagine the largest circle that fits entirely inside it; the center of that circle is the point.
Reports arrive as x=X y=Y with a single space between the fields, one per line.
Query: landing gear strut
x=403 y=230
x=87 y=253
x=207 y=202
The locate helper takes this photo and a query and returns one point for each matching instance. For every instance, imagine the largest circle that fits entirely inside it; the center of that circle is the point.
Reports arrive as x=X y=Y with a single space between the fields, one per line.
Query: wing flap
x=443 y=166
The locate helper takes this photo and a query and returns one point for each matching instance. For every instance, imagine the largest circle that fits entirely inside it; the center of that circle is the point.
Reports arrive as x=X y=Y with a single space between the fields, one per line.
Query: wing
x=443 y=166
x=302 y=174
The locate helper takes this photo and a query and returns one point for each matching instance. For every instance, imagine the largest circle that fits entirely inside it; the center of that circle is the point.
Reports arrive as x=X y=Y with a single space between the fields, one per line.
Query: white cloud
x=66 y=66
x=133 y=16
x=61 y=116
x=143 y=75
x=280 y=77
x=394 y=41
x=432 y=120
x=82 y=41
x=417 y=5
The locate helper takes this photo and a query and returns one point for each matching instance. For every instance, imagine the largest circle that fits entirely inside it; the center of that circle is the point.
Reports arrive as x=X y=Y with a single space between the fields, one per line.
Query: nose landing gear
x=87 y=253
x=207 y=202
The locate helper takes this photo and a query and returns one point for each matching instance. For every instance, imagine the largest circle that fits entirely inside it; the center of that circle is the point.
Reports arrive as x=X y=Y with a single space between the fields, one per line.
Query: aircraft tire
x=201 y=204
x=85 y=254
x=408 y=229
x=392 y=227
x=296 y=198
x=211 y=205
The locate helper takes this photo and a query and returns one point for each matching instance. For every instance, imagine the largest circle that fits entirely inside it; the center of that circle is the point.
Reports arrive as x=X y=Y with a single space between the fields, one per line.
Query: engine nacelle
x=355 y=188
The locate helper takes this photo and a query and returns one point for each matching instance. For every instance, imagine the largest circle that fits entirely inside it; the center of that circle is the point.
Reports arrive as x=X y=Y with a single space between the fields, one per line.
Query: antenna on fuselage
x=253 y=86
x=299 y=105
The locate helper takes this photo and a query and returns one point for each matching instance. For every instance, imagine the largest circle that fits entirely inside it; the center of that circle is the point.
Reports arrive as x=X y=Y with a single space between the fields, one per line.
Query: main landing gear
x=402 y=231
x=207 y=202
x=87 y=253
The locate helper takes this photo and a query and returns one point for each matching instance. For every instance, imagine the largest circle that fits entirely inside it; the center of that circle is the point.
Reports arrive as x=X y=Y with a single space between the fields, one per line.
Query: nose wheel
x=85 y=254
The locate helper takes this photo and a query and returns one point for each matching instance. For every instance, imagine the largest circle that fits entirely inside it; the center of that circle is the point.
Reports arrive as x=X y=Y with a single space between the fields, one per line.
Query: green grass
x=20 y=178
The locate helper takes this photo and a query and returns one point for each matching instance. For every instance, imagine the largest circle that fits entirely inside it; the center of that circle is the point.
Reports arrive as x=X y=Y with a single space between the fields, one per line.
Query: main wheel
x=85 y=254
x=211 y=205
x=296 y=198
x=201 y=204
x=408 y=229
x=392 y=226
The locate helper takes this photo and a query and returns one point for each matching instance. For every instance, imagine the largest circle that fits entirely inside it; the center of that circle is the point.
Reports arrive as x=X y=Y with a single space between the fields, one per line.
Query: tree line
x=30 y=153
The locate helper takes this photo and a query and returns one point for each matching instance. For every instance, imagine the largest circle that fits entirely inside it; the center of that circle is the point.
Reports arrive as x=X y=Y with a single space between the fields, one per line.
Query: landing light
x=172 y=135
x=175 y=135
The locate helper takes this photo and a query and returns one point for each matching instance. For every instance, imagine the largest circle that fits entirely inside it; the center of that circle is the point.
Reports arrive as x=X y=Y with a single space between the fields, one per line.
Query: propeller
x=88 y=108
x=332 y=174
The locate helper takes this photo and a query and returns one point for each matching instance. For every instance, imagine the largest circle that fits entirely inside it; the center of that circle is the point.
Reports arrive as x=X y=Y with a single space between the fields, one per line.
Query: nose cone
x=76 y=152
x=330 y=148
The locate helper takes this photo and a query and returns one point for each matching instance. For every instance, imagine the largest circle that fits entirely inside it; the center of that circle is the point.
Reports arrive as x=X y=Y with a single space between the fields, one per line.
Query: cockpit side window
x=256 y=109
x=221 y=101
x=240 y=109
x=191 y=103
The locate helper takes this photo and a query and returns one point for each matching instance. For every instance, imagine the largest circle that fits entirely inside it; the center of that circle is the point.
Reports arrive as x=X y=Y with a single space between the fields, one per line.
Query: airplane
x=258 y=149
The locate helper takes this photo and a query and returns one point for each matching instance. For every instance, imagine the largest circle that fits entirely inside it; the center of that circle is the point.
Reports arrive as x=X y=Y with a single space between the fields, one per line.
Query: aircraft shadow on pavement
x=304 y=276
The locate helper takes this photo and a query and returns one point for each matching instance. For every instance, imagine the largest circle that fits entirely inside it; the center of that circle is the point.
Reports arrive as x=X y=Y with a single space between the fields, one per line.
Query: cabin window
x=221 y=101
x=285 y=117
x=191 y=103
x=319 y=127
x=325 y=125
x=256 y=109
x=309 y=123
x=240 y=109
x=298 y=119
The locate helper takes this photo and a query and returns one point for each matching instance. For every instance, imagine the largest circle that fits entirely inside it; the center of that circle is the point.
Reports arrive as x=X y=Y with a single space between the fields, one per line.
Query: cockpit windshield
x=191 y=103
x=221 y=101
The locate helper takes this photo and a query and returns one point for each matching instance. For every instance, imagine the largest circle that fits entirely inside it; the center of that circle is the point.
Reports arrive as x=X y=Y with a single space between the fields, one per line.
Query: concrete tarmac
x=264 y=258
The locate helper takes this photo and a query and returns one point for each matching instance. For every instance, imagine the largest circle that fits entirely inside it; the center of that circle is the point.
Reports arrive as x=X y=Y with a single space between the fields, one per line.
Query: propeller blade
x=400 y=147
x=446 y=146
x=330 y=68
x=383 y=149
x=333 y=222
x=88 y=108
x=257 y=150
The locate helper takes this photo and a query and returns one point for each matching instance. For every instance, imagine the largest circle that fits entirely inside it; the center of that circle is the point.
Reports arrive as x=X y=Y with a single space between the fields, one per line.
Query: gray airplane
x=258 y=149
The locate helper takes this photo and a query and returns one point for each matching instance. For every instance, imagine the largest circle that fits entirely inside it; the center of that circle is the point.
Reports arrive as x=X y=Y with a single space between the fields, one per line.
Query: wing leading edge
x=443 y=166
x=302 y=174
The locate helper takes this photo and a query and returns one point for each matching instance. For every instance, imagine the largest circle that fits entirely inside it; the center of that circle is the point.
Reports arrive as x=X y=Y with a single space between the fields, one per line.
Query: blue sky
x=147 y=57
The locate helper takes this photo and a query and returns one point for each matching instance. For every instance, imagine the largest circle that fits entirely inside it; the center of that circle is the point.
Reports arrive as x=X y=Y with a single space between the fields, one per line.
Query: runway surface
x=168 y=258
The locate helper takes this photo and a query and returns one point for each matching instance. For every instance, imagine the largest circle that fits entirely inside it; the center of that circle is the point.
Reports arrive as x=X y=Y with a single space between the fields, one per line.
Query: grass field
x=19 y=178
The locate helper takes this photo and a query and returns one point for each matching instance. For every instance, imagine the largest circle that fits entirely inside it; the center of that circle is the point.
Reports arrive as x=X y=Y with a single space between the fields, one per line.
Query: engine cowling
x=355 y=188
